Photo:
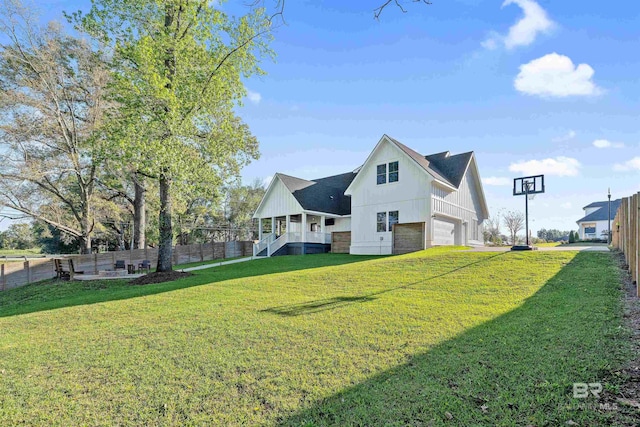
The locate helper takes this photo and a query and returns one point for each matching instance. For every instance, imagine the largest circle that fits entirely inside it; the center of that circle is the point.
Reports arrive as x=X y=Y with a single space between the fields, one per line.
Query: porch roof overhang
x=308 y=212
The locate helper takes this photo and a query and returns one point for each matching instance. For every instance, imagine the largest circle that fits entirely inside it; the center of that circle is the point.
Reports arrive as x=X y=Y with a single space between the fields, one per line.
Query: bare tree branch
x=378 y=11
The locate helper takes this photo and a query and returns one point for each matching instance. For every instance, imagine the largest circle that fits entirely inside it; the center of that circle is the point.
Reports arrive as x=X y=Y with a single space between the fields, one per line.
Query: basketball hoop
x=527 y=186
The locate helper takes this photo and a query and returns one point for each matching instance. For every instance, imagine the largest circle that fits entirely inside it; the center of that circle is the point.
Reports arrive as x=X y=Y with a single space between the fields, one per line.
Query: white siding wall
x=409 y=196
x=278 y=202
x=341 y=224
x=601 y=226
x=463 y=205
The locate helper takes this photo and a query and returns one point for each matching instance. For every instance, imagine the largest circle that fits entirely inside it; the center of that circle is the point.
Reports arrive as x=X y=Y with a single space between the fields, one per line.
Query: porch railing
x=272 y=244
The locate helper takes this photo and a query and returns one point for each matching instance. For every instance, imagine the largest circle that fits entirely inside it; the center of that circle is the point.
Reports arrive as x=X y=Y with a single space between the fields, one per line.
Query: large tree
x=178 y=69
x=51 y=104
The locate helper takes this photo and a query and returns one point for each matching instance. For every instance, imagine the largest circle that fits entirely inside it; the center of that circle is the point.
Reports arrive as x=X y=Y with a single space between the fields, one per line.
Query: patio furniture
x=120 y=265
x=61 y=273
x=144 y=265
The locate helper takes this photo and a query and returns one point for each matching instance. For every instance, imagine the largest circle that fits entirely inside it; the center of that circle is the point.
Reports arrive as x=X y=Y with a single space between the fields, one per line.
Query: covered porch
x=294 y=234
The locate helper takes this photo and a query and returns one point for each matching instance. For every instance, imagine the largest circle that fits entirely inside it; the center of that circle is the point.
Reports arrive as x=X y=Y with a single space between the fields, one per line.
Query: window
x=393 y=219
x=329 y=221
x=382 y=222
x=382 y=174
x=393 y=172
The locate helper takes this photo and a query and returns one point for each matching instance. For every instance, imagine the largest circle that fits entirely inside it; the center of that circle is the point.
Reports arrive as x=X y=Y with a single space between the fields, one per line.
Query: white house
x=595 y=222
x=397 y=201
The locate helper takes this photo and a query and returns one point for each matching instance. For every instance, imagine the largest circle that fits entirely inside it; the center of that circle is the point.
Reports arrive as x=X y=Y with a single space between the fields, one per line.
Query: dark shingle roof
x=442 y=166
x=453 y=167
x=327 y=194
x=602 y=213
x=322 y=194
x=595 y=205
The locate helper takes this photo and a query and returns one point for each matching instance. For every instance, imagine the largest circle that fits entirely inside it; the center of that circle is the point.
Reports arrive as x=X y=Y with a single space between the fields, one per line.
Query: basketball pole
x=526 y=211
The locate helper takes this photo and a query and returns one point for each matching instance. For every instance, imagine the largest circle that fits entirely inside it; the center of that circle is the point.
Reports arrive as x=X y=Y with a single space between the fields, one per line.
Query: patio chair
x=60 y=271
x=72 y=270
x=120 y=265
x=144 y=266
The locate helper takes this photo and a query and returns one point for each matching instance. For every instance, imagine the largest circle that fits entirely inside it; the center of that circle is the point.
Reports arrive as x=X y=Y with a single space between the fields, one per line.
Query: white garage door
x=444 y=232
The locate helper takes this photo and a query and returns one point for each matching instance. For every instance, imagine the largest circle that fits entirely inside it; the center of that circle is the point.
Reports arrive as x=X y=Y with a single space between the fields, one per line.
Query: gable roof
x=601 y=214
x=322 y=194
x=442 y=166
x=446 y=169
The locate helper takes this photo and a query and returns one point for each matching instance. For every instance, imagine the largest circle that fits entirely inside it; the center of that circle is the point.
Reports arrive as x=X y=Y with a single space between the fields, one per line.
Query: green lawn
x=440 y=336
x=20 y=252
x=210 y=262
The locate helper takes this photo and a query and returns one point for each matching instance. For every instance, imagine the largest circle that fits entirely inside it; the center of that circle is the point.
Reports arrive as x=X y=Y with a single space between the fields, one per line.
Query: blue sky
x=531 y=87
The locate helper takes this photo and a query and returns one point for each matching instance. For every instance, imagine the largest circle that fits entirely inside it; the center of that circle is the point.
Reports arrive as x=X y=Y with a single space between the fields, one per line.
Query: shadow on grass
x=324 y=304
x=517 y=369
x=53 y=294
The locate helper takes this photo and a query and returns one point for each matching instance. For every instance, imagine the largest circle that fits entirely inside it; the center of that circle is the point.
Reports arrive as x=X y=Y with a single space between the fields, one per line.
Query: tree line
x=131 y=118
x=513 y=221
x=132 y=121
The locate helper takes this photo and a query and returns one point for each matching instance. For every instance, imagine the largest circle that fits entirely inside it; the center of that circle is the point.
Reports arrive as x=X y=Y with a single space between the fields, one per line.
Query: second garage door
x=444 y=232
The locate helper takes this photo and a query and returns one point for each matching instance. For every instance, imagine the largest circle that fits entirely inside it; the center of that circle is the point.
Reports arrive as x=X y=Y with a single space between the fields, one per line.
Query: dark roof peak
x=443 y=166
x=602 y=214
x=321 y=194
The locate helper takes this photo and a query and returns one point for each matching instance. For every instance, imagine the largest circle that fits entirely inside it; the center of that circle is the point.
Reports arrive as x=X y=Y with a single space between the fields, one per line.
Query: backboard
x=528 y=185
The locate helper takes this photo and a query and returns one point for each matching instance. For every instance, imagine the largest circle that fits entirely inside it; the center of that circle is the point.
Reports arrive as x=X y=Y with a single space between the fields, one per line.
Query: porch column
x=322 y=219
x=304 y=231
x=288 y=224
x=273 y=224
x=259 y=228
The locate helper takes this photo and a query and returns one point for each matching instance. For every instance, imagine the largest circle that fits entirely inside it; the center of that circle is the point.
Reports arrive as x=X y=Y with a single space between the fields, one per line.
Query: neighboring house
x=397 y=201
x=595 y=223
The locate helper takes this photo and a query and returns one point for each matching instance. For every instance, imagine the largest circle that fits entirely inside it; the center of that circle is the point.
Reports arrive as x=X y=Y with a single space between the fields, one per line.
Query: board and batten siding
x=463 y=205
x=409 y=196
x=278 y=202
x=341 y=224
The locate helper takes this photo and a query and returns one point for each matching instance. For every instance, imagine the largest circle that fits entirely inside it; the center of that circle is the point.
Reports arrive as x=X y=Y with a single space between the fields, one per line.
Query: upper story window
x=387 y=174
x=393 y=172
x=382 y=174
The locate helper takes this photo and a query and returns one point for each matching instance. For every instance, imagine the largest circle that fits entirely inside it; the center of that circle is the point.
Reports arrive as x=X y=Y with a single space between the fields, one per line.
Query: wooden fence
x=16 y=274
x=625 y=234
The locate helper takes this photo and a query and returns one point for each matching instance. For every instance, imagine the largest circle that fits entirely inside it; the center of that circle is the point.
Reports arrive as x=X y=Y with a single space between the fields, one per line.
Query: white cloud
x=566 y=137
x=496 y=180
x=254 y=97
x=603 y=143
x=566 y=205
x=525 y=31
x=633 y=164
x=559 y=166
x=555 y=75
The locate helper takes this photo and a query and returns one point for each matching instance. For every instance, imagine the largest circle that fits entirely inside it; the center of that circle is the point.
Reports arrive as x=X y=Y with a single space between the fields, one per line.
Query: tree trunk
x=85 y=239
x=120 y=238
x=139 y=215
x=165 y=248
